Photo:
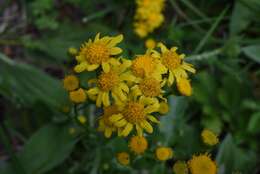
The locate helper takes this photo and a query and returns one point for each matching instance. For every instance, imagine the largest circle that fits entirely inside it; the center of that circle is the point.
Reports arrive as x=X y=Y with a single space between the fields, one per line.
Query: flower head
x=99 y=52
x=123 y=158
x=78 y=96
x=136 y=114
x=105 y=125
x=202 y=164
x=180 y=167
x=70 y=82
x=164 y=108
x=150 y=43
x=209 y=137
x=174 y=63
x=112 y=83
x=82 y=119
x=138 y=144
x=184 y=86
x=163 y=153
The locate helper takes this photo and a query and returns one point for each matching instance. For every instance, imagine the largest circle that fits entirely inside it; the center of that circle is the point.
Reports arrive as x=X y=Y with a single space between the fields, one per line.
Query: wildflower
x=164 y=108
x=82 y=119
x=123 y=158
x=174 y=63
x=150 y=43
x=97 y=53
x=202 y=164
x=70 y=82
x=184 y=86
x=73 y=51
x=163 y=153
x=209 y=137
x=147 y=66
x=148 y=16
x=112 y=83
x=105 y=125
x=78 y=96
x=136 y=113
x=138 y=144
x=180 y=167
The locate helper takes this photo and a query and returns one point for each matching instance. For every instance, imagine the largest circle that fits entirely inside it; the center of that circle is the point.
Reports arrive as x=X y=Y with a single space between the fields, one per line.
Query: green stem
x=6 y=141
x=204 y=56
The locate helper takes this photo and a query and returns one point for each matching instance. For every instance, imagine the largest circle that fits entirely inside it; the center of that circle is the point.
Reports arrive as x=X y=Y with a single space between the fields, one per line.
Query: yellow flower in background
x=123 y=158
x=70 y=82
x=164 y=108
x=113 y=82
x=138 y=144
x=180 y=167
x=148 y=16
x=184 y=86
x=136 y=114
x=82 y=119
x=78 y=96
x=209 y=137
x=174 y=63
x=163 y=153
x=202 y=164
x=147 y=66
x=72 y=130
x=105 y=125
x=73 y=51
x=97 y=53
x=150 y=44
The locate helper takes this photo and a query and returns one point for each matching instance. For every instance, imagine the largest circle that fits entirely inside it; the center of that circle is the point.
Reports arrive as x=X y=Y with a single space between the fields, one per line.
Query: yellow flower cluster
x=209 y=137
x=130 y=92
x=148 y=16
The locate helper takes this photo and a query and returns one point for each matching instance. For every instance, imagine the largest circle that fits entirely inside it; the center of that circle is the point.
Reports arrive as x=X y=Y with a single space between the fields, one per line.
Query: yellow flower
x=147 y=66
x=82 y=119
x=150 y=43
x=174 y=63
x=148 y=87
x=163 y=153
x=123 y=158
x=180 y=167
x=97 y=53
x=164 y=108
x=105 y=125
x=209 y=137
x=202 y=164
x=136 y=113
x=112 y=83
x=148 y=16
x=138 y=144
x=78 y=96
x=184 y=86
x=73 y=51
x=70 y=82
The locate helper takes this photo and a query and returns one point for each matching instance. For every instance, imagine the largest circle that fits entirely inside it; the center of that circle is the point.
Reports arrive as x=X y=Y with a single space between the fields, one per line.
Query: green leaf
x=46 y=149
x=177 y=106
x=253 y=52
x=240 y=19
x=254 y=123
x=25 y=84
x=232 y=158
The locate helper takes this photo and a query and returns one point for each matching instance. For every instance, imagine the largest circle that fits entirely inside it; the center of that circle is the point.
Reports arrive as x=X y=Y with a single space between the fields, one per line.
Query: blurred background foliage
x=221 y=37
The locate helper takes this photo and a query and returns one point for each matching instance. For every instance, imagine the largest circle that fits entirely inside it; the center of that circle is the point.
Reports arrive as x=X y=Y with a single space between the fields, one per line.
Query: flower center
x=134 y=112
x=150 y=87
x=143 y=65
x=171 y=60
x=96 y=53
x=107 y=81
